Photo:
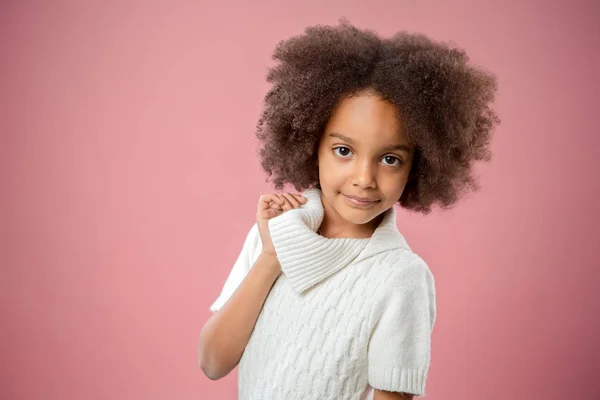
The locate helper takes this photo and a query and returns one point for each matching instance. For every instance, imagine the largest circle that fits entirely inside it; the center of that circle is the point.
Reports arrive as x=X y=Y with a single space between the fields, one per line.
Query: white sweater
x=345 y=316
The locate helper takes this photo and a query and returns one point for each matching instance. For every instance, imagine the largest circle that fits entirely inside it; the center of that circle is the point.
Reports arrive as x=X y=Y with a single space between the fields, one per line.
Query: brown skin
x=225 y=335
x=372 y=160
x=383 y=395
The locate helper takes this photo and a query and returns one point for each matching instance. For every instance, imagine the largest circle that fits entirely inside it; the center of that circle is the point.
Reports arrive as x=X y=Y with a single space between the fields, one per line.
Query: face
x=363 y=153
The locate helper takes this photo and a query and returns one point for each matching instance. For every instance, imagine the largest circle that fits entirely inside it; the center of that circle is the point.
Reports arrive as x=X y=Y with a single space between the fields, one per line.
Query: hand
x=270 y=206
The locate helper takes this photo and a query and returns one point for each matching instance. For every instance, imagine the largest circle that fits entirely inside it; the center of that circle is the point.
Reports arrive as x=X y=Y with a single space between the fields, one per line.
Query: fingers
x=301 y=198
x=292 y=200
x=281 y=201
x=268 y=201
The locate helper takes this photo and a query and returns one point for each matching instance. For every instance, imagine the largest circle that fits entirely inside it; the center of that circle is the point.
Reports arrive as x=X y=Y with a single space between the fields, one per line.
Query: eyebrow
x=387 y=148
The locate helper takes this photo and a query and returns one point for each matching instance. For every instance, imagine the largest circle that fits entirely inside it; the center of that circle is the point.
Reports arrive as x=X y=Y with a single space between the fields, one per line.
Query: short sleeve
x=399 y=351
x=246 y=258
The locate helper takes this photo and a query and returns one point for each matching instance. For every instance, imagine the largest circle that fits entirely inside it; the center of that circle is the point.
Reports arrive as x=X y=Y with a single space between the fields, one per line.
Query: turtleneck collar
x=307 y=258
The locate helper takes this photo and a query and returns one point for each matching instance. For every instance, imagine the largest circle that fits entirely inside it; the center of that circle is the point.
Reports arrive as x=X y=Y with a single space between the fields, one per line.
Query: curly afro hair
x=443 y=103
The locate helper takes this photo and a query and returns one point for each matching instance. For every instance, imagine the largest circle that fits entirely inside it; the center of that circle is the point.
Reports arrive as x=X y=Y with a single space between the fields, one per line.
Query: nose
x=364 y=175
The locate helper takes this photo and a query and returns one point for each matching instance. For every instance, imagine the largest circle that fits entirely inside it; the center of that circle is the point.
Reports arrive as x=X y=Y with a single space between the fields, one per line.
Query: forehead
x=367 y=119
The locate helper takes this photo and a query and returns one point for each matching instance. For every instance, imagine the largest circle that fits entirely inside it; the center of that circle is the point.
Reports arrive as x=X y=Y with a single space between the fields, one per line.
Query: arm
x=225 y=335
x=383 y=395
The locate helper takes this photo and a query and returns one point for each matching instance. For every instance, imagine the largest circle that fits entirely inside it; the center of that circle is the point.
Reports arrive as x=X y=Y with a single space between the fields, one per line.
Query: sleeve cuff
x=396 y=379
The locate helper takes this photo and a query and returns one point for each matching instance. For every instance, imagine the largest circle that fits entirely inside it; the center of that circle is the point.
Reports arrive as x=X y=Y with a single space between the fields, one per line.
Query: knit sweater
x=345 y=316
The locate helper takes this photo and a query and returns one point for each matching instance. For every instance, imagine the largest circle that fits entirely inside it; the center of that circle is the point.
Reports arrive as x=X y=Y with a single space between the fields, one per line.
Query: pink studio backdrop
x=129 y=180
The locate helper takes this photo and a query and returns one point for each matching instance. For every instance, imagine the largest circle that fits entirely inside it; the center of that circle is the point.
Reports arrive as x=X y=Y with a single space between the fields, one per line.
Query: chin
x=357 y=216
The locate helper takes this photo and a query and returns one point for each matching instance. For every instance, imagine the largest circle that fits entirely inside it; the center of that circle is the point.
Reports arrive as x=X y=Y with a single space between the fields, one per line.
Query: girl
x=326 y=299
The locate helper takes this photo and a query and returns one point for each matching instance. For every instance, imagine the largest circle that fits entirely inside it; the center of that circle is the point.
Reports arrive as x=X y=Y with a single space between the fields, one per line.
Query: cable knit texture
x=345 y=316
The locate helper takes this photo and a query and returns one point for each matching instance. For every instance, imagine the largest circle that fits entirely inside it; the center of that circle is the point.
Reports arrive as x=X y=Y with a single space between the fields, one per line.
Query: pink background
x=129 y=180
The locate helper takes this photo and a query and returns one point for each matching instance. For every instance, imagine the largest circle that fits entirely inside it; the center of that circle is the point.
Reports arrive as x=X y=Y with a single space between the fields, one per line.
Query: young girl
x=326 y=299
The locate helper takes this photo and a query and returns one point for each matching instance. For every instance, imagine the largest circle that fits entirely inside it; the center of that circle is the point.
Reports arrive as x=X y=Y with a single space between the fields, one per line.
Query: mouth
x=360 y=201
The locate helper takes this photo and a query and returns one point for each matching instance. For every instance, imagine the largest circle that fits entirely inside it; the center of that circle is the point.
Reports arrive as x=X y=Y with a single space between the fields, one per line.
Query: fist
x=270 y=206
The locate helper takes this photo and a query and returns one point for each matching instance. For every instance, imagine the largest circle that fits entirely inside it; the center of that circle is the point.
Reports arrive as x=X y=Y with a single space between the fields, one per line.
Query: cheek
x=393 y=185
x=331 y=168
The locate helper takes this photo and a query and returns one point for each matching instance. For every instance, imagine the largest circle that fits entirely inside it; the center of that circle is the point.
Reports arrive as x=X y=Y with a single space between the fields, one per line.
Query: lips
x=353 y=202
x=362 y=199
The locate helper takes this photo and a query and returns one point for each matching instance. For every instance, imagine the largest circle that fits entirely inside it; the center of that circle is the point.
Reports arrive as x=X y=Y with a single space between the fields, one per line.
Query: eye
x=344 y=151
x=392 y=159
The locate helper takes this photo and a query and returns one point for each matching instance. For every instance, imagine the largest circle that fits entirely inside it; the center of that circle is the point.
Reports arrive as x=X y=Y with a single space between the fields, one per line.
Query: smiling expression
x=363 y=155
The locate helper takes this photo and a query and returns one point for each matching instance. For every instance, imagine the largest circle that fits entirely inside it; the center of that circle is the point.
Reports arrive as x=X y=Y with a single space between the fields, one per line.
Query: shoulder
x=404 y=269
x=414 y=266
x=403 y=262
x=253 y=242
x=252 y=236
x=409 y=283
